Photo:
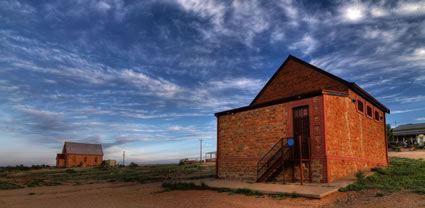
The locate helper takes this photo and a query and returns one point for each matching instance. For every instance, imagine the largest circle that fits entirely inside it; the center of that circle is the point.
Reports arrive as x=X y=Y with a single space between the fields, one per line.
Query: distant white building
x=411 y=133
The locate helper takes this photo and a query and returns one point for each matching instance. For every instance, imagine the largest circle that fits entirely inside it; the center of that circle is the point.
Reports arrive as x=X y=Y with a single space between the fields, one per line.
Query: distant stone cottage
x=305 y=125
x=79 y=154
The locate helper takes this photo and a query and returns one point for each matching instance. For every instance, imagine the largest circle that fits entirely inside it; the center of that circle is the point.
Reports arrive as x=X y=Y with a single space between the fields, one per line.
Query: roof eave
x=274 y=102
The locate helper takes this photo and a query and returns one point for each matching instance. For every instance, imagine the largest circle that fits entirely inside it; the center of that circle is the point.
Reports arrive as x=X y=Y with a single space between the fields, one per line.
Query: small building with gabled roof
x=80 y=154
x=410 y=133
x=305 y=125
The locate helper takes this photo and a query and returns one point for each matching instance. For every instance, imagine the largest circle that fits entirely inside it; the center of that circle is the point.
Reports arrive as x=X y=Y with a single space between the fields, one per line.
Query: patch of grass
x=41 y=182
x=379 y=194
x=403 y=173
x=70 y=171
x=201 y=177
x=247 y=192
x=23 y=168
x=279 y=196
x=294 y=194
x=184 y=186
x=139 y=174
x=7 y=186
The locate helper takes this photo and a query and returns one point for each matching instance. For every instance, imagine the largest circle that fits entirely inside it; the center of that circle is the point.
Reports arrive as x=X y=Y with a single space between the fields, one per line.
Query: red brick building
x=79 y=154
x=305 y=123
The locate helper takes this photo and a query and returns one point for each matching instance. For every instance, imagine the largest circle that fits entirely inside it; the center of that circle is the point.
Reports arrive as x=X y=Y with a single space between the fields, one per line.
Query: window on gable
x=85 y=159
x=377 y=115
x=369 y=111
x=360 y=105
x=95 y=159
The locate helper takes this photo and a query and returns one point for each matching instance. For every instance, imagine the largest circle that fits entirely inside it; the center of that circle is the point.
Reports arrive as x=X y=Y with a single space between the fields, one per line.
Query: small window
x=73 y=159
x=360 y=105
x=95 y=159
x=377 y=115
x=369 y=111
x=85 y=159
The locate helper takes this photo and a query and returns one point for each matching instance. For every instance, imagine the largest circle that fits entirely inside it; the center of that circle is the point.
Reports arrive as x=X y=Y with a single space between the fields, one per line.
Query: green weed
x=7 y=186
x=402 y=173
x=191 y=186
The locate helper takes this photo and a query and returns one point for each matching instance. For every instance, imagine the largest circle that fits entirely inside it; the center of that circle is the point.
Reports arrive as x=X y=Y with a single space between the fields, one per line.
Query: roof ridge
x=352 y=85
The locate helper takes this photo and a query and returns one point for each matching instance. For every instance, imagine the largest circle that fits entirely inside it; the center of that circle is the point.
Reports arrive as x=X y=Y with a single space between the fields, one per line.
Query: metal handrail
x=271 y=158
x=277 y=153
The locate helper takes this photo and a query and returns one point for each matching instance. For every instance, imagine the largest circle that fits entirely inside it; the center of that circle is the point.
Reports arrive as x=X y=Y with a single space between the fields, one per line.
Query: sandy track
x=137 y=195
x=412 y=154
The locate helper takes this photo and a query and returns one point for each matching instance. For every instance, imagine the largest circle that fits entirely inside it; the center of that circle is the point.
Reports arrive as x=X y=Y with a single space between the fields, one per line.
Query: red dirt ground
x=137 y=195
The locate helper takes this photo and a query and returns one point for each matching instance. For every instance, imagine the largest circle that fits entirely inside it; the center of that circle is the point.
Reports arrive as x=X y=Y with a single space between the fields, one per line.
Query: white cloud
x=420 y=78
x=388 y=35
x=291 y=11
x=277 y=35
x=411 y=99
x=206 y=9
x=50 y=81
x=102 y=6
x=160 y=87
x=410 y=8
x=17 y=6
x=9 y=88
x=240 y=20
x=306 y=45
x=378 y=12
x=421 y=119
x=406 y=111
x=237 y=83
x=39 y=113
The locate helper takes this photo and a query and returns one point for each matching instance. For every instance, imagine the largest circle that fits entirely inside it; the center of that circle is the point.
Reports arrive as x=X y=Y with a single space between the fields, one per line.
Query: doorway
x=301 y=123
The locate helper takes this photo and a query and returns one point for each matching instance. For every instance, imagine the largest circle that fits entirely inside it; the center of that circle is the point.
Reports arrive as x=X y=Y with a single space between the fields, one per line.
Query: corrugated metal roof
x=410 y=127
x=408 y=133
x=82 y=148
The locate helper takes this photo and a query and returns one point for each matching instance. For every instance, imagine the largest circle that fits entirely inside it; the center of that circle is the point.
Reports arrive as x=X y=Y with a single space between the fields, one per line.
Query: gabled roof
x=351 y=85
x=82 y=148
x=410 y=127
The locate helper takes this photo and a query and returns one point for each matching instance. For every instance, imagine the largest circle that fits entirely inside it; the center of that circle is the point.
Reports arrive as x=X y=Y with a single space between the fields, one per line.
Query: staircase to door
x=288 y=153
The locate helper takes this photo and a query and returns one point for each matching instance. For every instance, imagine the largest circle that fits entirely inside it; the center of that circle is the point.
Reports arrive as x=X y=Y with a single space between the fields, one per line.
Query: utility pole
x=123 y=158
x=200 y=155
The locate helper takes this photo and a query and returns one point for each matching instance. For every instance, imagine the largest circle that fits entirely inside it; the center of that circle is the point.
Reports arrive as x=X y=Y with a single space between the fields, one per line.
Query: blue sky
x=147 y=76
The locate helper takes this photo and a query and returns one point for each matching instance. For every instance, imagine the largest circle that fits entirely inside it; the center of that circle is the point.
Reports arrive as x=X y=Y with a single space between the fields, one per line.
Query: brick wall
x=244 y=138
x=353 y=140
x=73 y=160
x=297 y=79
x=60 y=163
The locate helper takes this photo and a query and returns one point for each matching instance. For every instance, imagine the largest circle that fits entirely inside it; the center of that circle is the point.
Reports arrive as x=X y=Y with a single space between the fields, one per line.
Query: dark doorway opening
x=301 y=123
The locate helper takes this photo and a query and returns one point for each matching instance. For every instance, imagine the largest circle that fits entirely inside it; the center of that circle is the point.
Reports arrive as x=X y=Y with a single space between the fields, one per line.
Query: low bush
x=23 y=168
x=133 y=165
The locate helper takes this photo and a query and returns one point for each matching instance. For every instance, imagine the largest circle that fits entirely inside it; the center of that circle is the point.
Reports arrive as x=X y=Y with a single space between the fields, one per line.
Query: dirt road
x=411 y=154
x=137 y=195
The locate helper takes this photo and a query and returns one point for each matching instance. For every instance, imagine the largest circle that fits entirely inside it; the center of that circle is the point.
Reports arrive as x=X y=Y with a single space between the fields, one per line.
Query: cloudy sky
x=147 y=76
